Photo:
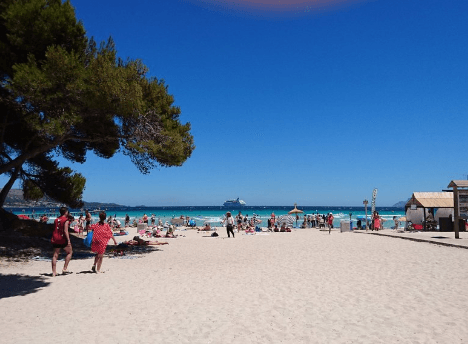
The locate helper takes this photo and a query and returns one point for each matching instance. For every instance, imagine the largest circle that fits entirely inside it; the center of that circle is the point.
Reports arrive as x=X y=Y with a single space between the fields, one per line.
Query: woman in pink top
x=101 y=236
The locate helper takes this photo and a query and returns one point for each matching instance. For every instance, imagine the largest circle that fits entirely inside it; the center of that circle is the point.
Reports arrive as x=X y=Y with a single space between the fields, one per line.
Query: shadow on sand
x=17 y=285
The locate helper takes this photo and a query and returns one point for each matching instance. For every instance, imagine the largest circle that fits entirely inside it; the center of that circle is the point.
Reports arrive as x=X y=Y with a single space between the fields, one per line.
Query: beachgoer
x=81 y=224
x=61 y=239
x=127 y=220
x=44 y=218
x=396 y=222
x=229 y=224
x=239 y=219
x=101 y=236
x=376 y=219
x=206 y=228
x=145 y=218
x=170 y=231
x=88 y=219
x=330 y=222
x=153 y=219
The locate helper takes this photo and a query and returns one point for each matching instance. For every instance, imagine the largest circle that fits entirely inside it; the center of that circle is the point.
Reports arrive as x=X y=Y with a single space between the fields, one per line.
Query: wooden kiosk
x=460 y=203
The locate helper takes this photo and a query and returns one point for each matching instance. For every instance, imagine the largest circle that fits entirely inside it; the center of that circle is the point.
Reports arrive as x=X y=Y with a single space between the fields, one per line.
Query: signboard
x=374 y=196
x=463 y=203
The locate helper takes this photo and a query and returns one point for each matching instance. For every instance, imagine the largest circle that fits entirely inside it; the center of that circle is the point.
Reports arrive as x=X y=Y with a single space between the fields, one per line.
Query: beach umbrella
x=295 y=211
x=286 y=219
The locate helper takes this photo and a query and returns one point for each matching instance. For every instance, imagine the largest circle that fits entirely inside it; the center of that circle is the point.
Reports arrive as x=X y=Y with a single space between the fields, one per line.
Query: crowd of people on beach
x=108 y=227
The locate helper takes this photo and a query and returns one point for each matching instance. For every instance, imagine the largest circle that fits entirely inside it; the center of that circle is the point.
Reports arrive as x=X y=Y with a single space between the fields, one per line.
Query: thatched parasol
x=295 y=211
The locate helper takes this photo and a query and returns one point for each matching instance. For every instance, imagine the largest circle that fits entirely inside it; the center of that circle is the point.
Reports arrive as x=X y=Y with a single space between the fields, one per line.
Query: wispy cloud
x=276 y=7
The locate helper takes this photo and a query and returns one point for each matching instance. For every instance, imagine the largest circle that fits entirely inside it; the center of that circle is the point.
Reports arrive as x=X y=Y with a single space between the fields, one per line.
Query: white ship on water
x=234 y=203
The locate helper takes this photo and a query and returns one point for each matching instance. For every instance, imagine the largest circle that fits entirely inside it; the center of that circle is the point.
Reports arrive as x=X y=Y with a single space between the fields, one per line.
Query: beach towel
x=88 y=240
x=120 y=233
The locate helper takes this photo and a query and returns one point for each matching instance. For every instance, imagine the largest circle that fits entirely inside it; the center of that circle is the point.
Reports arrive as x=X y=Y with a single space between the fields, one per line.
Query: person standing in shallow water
x=229 y=224
x=61 y=239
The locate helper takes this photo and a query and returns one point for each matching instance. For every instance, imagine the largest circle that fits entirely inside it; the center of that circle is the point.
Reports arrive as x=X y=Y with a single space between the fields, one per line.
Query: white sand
x=301 y=287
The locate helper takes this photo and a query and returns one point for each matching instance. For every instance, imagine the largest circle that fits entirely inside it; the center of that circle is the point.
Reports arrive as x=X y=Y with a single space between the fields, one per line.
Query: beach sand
x=301 y=287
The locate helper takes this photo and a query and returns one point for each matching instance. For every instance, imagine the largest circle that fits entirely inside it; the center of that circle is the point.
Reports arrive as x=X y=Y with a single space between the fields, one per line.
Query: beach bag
x=214 y=234
x=88 y=240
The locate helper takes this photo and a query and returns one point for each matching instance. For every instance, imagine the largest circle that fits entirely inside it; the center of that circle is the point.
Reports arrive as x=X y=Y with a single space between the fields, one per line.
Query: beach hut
x=416 y=208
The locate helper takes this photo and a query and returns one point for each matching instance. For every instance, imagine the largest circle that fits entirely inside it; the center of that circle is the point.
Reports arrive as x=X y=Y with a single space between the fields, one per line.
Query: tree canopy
x=62 y=94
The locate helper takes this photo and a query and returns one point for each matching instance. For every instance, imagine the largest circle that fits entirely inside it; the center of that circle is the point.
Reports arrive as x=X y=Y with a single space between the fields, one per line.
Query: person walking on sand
x=376 y=218
x=61 y=239
x=229 y=224
x=330 y=222
x=101 y=236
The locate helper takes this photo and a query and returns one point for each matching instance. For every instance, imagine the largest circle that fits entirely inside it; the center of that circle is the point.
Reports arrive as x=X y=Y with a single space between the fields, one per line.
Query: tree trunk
x=19 y=161
x=6 y=189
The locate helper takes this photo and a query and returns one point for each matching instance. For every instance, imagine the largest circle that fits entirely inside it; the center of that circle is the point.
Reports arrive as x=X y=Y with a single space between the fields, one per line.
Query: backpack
x=58 y=235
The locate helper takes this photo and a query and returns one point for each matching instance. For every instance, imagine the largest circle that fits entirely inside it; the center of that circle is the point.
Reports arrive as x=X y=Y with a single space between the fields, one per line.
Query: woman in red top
x=102 y=233
x=61 y=240
x=376 y=221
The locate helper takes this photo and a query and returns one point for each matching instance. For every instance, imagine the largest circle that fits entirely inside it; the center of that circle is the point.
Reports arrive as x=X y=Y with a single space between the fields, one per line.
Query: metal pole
x=365 y=207
x=456 y=211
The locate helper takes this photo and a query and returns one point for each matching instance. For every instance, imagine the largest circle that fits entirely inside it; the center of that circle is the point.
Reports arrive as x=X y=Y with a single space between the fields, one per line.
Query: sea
x=214 y=214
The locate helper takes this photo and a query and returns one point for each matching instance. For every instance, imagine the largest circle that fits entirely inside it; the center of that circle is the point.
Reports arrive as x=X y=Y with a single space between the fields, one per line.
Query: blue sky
x=310 y=104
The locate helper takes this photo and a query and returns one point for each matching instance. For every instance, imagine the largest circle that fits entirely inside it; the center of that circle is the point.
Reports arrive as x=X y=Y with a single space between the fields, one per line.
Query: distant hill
x=401 y=204
x=97 y=205
x=15 y=199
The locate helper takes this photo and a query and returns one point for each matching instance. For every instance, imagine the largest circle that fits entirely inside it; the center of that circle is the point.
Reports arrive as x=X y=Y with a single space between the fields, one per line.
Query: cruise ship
x=234 y=203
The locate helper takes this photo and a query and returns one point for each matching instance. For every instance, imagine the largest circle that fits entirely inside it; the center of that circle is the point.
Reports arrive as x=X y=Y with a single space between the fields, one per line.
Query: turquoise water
x=214 y=215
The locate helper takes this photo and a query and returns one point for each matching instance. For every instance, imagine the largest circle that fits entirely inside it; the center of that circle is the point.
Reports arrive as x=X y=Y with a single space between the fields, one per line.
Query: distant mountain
x=97 y=205
x=15 y=199
x=400 y=204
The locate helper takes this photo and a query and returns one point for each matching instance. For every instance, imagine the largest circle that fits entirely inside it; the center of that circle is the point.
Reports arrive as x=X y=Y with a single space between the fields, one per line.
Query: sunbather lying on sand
x=141 y=242
x=206 y=228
